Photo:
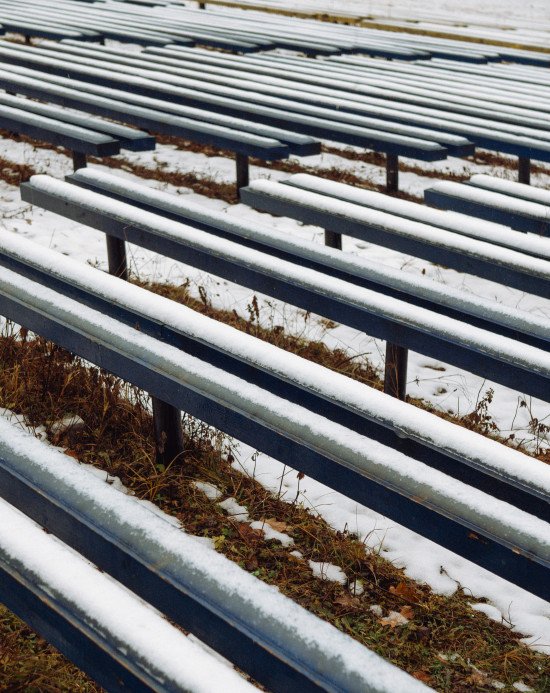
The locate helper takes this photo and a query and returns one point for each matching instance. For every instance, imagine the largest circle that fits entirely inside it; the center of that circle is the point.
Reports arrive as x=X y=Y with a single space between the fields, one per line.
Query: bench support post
x=116 y=257
x=79 y=161
x=395 y=371
x=169 y=441
x=242 y=172
x=333 y=240
x=392 y=173
x=524 y=170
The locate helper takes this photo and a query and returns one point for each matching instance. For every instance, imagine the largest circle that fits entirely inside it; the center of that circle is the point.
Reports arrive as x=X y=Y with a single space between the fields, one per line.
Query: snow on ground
x=495 y=12
x=445 y=386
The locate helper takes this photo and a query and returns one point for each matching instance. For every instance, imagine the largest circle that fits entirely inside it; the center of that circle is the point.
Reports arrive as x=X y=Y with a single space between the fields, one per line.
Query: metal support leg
x=395 y=371
x=242 y=172
x=116 y=257
x=79 y=161
x=524 y=170
x=392 y=173
x=202 y=5
x=168 y=433
x=169 y=443
x=333 y=240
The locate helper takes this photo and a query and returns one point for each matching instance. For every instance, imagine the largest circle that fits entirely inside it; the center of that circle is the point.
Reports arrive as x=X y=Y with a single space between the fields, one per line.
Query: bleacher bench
x=223 y=254
x=504 y=202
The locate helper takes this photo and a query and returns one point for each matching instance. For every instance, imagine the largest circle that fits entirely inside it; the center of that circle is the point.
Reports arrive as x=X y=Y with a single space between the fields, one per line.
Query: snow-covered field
x=449 y=389
x=445 y=386
x=495 y=12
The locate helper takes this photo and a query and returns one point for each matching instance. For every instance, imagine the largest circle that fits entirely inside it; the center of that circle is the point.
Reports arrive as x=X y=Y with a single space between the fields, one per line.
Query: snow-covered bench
x=83 y=135
x=42 y=23
x=244 y=395
x=341 y=209
x=244 y=138
x=516 y=205
x=470 y=227
x=516 y=364
x=355 y=88
x=72 y=584
x=297 y=380
x=228 y=97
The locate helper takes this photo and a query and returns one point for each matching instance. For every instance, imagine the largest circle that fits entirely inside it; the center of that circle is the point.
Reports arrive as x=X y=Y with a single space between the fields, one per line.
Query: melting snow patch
x=376 y=610
x=328 y=571
x=69 y=422
x=489 y=610
x=210 y=491
x=232 y=508
x=271 y=533
x=520 y=686
x=356 y=587
x=394 y=618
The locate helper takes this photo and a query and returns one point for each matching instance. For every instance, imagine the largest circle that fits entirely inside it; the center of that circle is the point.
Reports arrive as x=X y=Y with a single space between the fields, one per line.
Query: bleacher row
x=482 y=500
x=361 y=105
x=417 y=466
x=240 y=31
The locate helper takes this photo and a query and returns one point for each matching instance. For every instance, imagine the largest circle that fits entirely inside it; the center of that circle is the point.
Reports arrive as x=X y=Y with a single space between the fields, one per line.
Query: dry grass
x=356 y=366
x=28 y=664
x=445 y=642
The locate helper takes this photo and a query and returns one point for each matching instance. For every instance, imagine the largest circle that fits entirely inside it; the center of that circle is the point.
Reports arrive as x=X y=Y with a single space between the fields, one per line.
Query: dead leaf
x=393 y=619
x=72 y=453
x=278 y=526
x=347 y=600
x=422 y=676
x=247 y=534
x=407 y=591
x=252 y=564
x=476 y=679
x=407 y=612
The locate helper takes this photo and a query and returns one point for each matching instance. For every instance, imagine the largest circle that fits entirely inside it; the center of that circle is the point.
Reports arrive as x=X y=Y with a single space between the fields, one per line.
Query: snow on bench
x=129 y=138
x=234 y=100
x=497 y=123
x=417 y=290
x=482 y=258
x=504 y=360
x=186 y=64
x=505 y=473
x=124 y=642
x=83 y=136
x=79 y=140
x=488 y=231
x=492 y=533
x=508 y=187
x=244 y=138
x=114 y=636
x=499 y=206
